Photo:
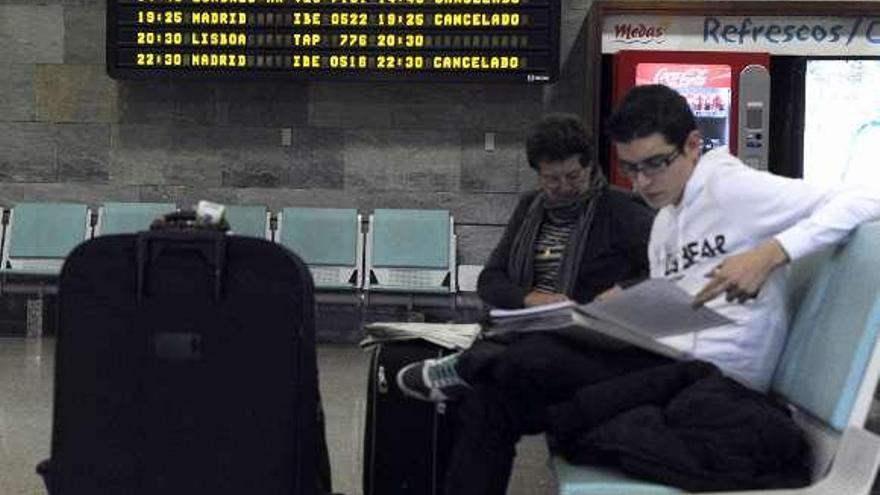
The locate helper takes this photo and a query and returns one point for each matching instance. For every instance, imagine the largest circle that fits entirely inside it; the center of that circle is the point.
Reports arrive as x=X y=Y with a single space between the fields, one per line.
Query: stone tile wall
x=70 y=133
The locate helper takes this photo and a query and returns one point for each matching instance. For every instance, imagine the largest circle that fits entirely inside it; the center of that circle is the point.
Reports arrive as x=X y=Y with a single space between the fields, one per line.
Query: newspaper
x=455 y=336
x=639 y=315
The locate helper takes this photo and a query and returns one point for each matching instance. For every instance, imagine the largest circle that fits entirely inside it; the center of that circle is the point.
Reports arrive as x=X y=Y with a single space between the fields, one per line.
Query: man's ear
x=693 y=145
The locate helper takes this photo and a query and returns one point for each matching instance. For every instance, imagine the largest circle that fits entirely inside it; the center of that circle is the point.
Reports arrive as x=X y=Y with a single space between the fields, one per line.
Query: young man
x=724 y=228
x=574 y=238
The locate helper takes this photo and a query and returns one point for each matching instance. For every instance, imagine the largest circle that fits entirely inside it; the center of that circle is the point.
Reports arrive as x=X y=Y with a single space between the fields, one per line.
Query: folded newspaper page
x=453 y=336
x=639 y=315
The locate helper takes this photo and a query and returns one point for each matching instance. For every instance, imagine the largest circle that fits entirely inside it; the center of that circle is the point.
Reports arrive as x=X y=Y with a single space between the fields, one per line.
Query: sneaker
x=434 y=380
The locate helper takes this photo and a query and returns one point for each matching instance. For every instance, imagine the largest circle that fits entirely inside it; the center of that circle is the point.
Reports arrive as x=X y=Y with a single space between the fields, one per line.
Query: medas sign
x=842 y=36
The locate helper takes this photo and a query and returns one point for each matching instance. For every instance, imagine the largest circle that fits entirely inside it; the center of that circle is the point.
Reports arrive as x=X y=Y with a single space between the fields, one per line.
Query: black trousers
x=513 y=384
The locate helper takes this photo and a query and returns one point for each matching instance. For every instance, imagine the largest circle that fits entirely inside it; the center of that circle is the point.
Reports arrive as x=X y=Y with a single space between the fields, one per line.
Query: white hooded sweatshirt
x=728 y=208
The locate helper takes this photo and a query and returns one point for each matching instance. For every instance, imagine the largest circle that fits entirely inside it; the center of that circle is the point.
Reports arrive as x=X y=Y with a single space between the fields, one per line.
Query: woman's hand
x=537 y=298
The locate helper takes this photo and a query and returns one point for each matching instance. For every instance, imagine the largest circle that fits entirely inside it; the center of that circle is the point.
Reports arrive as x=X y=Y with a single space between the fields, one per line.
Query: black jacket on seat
x=686 y=425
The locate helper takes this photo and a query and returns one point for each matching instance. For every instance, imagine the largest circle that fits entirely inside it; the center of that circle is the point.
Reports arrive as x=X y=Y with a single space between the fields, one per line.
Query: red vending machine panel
x=708 y=80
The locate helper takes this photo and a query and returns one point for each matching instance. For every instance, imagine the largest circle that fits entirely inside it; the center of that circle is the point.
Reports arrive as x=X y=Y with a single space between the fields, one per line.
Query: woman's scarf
x=520 y=265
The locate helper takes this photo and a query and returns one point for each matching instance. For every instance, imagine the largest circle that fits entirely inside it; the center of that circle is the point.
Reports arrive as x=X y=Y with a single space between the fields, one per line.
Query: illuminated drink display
x=455 y=40
x=707 y=89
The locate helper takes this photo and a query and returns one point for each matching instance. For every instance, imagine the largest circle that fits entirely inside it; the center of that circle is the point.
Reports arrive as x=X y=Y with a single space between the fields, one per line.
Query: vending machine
x=728 y=92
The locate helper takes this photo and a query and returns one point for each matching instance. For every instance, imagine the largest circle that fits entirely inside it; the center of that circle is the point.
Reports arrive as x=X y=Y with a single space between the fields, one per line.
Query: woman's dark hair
x=558 y=136
x=650 y=109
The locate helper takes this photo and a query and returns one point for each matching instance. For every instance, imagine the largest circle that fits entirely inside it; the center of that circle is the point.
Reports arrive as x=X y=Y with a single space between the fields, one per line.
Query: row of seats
x=403 y=250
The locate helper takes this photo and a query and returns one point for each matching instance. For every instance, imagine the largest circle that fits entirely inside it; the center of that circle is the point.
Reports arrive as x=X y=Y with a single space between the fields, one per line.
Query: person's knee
x=486 y=406
x=528 y=360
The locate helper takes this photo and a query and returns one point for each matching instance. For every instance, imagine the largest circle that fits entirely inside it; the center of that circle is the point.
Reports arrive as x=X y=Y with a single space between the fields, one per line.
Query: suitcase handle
x=210 y=246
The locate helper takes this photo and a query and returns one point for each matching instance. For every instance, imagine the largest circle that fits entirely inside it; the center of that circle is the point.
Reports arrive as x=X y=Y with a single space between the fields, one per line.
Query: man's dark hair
x=650 y=109
x=558 y=136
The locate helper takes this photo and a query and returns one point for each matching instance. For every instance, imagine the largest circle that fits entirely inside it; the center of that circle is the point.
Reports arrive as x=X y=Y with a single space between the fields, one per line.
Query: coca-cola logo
x=638 y=33
x=681 y=78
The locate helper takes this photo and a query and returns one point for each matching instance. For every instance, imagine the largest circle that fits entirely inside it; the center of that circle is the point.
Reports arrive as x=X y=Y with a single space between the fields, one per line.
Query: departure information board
x=430 y=40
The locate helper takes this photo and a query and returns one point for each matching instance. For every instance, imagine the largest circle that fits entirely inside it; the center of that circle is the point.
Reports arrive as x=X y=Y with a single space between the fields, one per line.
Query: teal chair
x=40 y=235
x=411 y=251
x=252 y=221
x=827 y=373
x=328 y=240
x=127 y=218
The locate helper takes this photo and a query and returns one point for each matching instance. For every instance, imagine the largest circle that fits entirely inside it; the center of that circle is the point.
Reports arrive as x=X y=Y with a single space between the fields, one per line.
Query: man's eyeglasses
x=651 y=166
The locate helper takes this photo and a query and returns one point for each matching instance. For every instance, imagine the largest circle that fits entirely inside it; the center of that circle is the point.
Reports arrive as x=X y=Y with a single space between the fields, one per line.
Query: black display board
x=423 y=40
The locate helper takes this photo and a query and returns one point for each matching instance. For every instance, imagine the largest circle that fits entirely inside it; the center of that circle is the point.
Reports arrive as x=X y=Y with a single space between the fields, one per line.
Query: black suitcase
x=407 y=442
x=185 y=364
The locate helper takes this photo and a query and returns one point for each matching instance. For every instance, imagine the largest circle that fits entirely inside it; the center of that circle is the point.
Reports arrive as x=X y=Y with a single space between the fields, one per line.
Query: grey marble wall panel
x=185 y=196
x=17 y=85
x=255 y=168
x=84 y=33
x=199 y=167
x=220 y=103
x=75 y=93
x=28 y=152
x=483 y=209
x=230 y=137
x=162 y=194
x=139 y=153
x=262 y=103
x=91 y=194
x=315 y=158
x=255 y=157
x=438 y=116
x=510 y=115
x=167 y=102
x=354 y=92
x=277 y=198
x=476 y=242
x=487 y=209
x=83 y=152
x=32 y=34
x=350 y=105
x=511 y=94
x=356 y=115
x=402 y=160
x=195 y=157
x=492 y=171
x=473 y=106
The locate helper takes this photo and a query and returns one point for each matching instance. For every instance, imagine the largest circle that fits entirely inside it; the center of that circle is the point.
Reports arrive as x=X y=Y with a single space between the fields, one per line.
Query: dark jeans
x=513 y=383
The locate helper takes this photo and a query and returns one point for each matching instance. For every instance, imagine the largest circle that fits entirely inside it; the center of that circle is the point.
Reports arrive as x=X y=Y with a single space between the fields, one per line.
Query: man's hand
x=741 y=276
x=537 y=298
x=613 y=291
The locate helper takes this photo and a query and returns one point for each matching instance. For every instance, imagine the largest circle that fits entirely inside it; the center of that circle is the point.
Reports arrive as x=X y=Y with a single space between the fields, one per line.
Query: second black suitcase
x=407 y=441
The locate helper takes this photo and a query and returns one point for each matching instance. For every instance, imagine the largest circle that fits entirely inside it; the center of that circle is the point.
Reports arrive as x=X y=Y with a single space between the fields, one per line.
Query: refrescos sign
x=854 y=36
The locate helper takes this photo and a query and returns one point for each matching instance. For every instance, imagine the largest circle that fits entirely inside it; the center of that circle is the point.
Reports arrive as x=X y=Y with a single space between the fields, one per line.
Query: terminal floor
x=26 y=374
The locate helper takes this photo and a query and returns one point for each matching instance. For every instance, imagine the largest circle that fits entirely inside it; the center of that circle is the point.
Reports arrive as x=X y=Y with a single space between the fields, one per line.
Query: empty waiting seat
x=40 y=235
x=126 y=218
x=411 y=251
x=328 y=240
x=248 y=220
